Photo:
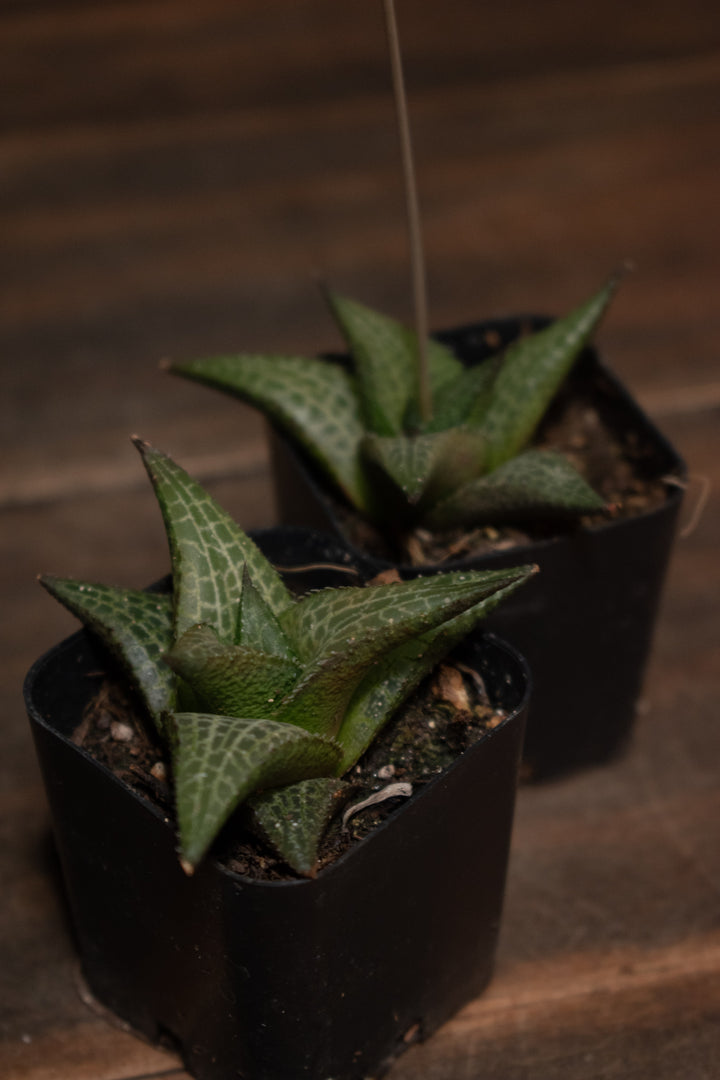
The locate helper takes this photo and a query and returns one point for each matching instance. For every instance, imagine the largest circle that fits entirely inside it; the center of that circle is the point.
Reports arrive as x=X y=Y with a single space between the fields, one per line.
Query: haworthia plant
x=468 y=464
x=259 y=696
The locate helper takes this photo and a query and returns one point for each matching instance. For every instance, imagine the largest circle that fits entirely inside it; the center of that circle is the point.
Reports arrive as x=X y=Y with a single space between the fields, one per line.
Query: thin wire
x=417 y=259
x=704 y=489
x=316 y=566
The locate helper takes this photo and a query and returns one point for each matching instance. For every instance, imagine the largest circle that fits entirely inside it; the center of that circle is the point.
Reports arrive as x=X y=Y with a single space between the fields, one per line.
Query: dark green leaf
x=219 y=761
x=390 y=682
x=135 y=626
x=407 y=460
x=348 y=632
x=532 y=371
x=386 y=360
x=294 y=819
x=319 y=700
x=466 y=399
x=257 y=626
x=208 y=552
x=314 y=401
x=536 y=482
x=231 y=680
x=426 y=467
x=460 y=457
x=350 y=619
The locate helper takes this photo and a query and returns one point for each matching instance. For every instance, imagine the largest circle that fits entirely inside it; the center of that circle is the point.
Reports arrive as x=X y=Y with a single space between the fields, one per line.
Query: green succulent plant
x=469 y=463
x=260 y=696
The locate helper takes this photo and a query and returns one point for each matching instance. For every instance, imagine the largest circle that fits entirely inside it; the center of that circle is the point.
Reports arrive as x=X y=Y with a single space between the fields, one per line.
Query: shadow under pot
x=585 y=623
x=275 y=980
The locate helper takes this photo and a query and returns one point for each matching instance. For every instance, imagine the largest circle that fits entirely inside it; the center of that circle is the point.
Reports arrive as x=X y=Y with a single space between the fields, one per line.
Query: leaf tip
x=48 y=581
x=149 y=454
x=187 y=866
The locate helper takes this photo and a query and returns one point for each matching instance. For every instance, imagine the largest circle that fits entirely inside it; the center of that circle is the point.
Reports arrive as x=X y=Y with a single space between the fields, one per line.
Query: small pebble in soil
x=449 y=685
x=120 y=732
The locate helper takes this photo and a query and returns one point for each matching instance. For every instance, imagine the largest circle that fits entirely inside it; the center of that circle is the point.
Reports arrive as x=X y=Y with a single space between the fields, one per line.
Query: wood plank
x=640 y=1019
x=136 y=56
x=92 y=378
x=127 y=241
x=108 y=1054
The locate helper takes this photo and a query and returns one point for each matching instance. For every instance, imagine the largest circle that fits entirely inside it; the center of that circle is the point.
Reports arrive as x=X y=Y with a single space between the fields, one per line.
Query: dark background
x=174 y=177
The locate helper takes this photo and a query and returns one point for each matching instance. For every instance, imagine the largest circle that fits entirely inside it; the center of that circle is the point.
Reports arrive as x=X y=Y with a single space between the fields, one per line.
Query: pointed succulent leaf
x=407 y=459
x=208 y=552
x=257 y=626
x=314 y=401
x=347 y=631
x=387 y=685
x=318 y=700
x=532 y=371
x=136 y=627
x=460 y=457
x=373 y=619
x=536 y=482
x=294 y=818
x=218 y=761
x=426 y=467
x=385 y=355
x=231 y=680
x=466 y=399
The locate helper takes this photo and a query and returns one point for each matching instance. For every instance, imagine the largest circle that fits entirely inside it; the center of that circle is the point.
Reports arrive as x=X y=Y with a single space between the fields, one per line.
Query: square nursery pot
x=327 y=979
x=584 y=623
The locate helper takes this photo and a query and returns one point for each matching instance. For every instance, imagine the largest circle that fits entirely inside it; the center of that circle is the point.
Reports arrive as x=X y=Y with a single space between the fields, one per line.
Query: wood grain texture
x=174 y=177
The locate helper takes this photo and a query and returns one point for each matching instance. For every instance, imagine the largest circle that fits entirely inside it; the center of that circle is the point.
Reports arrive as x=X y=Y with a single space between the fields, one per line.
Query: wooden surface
x=174 y=177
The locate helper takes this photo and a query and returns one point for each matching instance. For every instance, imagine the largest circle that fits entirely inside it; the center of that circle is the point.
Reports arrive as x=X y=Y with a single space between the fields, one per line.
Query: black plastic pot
x=327 y=979
x=585 y=622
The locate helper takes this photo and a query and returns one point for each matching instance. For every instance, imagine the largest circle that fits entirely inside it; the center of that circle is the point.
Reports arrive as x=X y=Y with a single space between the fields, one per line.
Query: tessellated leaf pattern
x=313 y=401
x=532 y=371
x=536 y=482
x=389 y=682
x=208 y=550
x=135 y=626
x=234 y=680
x=248 y=685
x=351 y=424
x=385 y=355
x=219 y=760
x=294 y=818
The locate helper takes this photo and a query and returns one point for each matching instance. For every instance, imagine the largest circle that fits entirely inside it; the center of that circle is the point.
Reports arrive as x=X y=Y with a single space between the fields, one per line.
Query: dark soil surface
x=447 y=714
